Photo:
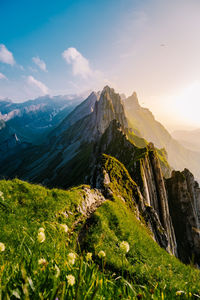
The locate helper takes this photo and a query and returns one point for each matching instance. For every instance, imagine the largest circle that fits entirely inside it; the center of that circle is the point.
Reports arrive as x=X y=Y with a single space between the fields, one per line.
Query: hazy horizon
x=150 y=47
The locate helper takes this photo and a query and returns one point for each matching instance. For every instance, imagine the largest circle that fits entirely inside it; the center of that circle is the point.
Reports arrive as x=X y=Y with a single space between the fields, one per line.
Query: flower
x=71 y=258
x=2 y=247
x=70 y=279
x=124 y=246
x=101 y=254
x=57 y=271
x=1 y=195
x=41 y=229
x=64 y=227
x=41 y=237
x=89 y=256
x=42 y=261
x=179 y=293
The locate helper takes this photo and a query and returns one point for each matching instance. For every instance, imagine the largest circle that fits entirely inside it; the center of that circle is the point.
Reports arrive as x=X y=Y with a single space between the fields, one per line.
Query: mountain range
x=112 y=154
x=188 y=138
x=105 y=124
x=37 y=122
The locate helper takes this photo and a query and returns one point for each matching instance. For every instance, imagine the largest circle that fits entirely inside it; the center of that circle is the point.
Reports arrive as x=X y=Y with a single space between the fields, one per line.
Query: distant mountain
x=144 y=124
x=83 y=109
x=34 y=118
x=189 y=138
x=66 y=157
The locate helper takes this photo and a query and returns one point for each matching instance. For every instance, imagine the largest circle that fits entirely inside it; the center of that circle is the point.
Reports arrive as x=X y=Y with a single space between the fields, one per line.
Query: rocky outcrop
x=144 y=169
x=92 y=199
x=152 y=186
x=112 y=178
x=109 y=107
x=184 y=203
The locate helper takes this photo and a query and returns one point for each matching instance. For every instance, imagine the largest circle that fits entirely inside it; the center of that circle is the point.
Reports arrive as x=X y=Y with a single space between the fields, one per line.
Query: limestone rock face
x=149 y=177
x=184 y=203
x=92 y=200
x=146 y=173
x=109 y=107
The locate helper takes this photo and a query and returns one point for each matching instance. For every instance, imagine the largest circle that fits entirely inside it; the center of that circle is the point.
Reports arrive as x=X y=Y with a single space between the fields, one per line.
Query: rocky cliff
x=108 y=108
x=184 y=204
x=146 y=178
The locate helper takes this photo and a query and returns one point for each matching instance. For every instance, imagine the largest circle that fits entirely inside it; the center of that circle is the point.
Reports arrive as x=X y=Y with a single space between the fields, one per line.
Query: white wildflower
x=2 y=247
x=70 y=279
x=57 y=271
x=41 y=237
x=71 y=258
x=101 y=254
x=179 y=293
x=42 y=261
x=1 y=195
x=124 y=246
x=89 y=256
x=64 y=227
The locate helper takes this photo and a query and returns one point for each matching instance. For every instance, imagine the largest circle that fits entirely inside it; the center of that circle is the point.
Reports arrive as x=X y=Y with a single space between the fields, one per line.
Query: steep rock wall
x=184 y=203
x=144 y=169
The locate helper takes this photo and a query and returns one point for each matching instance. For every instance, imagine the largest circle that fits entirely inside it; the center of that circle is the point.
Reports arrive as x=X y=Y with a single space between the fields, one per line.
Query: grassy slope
x=25 y=208
x=146 y=263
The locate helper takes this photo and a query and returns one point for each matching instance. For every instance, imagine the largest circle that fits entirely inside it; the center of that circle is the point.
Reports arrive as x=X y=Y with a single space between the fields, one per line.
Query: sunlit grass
x=116 y=258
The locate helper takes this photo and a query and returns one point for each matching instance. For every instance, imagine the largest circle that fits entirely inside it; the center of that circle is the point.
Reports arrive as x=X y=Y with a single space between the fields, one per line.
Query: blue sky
x=61 y=47
x=45 y=29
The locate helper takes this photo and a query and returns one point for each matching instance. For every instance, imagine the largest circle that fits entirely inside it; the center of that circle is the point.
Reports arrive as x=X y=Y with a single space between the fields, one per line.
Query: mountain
x=120 y=194
x=71 y=156
x=144 y=124
x=33 y=119
x=83 y=109
x=68 y=153
x=11 y=142
x=189 y=138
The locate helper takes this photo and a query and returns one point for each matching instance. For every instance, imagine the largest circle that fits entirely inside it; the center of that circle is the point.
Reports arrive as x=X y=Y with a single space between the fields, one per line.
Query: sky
x=64 y=47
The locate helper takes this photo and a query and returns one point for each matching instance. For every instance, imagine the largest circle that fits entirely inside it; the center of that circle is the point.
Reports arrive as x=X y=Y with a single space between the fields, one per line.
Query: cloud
x=40 y=63
x=2 y=76
x=6 y=56
x=38 y=84
x=80 y=64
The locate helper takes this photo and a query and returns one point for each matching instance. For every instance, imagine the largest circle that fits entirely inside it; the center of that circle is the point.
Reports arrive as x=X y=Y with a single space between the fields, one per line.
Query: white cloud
x=6 y=56
x=40 y=63
x=80 y=64
x=2 y=76
x=38 y=84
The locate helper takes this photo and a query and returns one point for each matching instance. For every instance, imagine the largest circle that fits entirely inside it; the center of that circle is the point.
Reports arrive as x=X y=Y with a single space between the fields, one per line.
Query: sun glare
x=186 y=104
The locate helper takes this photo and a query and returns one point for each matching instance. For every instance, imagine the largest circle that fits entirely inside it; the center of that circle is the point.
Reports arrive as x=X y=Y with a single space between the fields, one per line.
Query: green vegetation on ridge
x=31 y=269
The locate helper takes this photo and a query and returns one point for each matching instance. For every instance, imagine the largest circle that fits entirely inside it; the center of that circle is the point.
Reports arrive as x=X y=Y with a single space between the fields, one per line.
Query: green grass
x=145 y=271
x=146 y=264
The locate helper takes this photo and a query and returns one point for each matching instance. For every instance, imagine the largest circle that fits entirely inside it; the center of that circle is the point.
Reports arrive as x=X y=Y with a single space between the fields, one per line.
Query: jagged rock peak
x=109 y=107
x=134 y=95
x=133 y=100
